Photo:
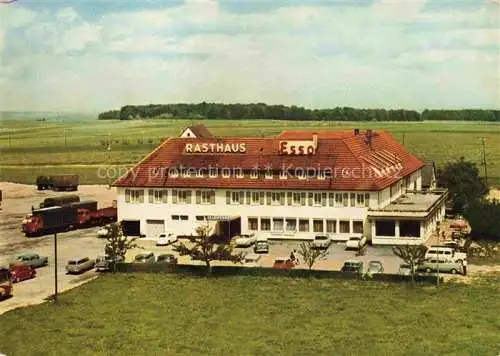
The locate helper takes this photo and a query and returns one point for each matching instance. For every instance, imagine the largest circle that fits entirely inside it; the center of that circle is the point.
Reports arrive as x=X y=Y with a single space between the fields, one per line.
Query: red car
x=20 y=272
x=283 y=263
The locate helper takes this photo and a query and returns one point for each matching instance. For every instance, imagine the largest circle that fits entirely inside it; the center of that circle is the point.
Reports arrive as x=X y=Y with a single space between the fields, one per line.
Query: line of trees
x=281 y=112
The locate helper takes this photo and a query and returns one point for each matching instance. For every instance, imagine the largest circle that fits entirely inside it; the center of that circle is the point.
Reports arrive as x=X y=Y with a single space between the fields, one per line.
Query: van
x=444 y=266
x=445 y=253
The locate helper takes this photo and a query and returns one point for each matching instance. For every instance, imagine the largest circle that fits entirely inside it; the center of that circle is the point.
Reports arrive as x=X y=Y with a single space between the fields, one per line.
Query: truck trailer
x=70 y=216
x=58 y=182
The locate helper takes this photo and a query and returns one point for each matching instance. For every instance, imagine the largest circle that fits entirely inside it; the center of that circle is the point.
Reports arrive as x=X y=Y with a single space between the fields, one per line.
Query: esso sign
x=297 y=148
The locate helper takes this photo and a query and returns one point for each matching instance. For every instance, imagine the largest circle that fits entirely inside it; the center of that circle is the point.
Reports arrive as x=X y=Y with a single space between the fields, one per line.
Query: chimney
x=368 y=138
x=315 y=140
x=356 y=132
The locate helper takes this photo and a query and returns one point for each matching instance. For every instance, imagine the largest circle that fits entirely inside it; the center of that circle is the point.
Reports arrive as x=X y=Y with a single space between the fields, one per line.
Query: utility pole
x=484 y=162
x=55 y=267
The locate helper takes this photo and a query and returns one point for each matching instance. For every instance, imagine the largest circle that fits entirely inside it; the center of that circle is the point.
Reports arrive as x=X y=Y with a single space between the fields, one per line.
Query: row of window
x=292 y=225
x=251 y=198
x=252 y=174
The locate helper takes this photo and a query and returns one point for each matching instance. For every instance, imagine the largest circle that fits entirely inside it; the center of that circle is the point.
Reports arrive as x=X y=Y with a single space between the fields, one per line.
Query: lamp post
x=55 y=267
x=437 y=259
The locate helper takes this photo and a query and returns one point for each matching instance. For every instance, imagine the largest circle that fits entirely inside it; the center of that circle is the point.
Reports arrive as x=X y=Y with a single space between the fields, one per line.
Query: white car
x=252 y=260
x=244 y=240
x=166 y=239
x=405 y=269
x=355 y=242
x=102 y=232
x=321 y=241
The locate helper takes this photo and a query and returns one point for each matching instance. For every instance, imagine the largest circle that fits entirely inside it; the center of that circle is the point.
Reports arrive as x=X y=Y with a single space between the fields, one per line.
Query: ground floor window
x=318 y=225
x=409 y=228
x=385 y=228
x=344 y=227
x=331 y=226
x=253 y=224
x=291 y=224
x=304 y=225
x=278 y=224
x=265 y=224
x=200 y=218
x=357 y=227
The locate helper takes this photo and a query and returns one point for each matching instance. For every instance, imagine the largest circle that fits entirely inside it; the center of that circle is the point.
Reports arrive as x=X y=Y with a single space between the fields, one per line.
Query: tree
x=484 y=218
x=310 y=255
x=203 y=248
x=117 y=245
x=463 y=182
x=412 y=255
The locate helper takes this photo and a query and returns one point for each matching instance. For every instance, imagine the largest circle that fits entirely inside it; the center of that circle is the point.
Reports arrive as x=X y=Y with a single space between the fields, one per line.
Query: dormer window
x=199 y=173
x=212 y=173
x=254 y=174
x=226 y=173
x=269 y=175
x=283 y=175
x=321 y=175
x=238 y=173
x=300 y=174
x=172 y=172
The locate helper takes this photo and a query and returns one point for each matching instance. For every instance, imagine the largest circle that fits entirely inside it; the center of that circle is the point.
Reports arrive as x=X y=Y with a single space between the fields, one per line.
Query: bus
x=5 y=284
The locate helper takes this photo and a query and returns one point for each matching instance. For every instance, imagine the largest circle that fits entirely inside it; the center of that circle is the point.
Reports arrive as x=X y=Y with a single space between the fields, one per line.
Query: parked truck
x=70 y=216
x=58 y=182
x=59 y=201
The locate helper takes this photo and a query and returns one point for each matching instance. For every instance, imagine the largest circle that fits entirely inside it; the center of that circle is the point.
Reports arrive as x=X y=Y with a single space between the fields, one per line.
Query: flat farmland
x=30 y=148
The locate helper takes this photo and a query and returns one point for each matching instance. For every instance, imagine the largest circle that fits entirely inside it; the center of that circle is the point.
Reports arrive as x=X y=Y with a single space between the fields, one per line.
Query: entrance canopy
x=221 y=217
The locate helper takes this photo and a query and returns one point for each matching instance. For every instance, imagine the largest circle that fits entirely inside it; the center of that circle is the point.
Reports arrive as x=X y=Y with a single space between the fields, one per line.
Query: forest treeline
x=281 y=112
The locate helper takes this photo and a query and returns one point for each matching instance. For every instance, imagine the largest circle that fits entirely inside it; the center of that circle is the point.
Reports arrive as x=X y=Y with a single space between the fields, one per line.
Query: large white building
x=293 y=186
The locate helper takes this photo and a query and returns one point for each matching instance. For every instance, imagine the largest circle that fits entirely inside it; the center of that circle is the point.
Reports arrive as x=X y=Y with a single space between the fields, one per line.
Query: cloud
x=389 y=53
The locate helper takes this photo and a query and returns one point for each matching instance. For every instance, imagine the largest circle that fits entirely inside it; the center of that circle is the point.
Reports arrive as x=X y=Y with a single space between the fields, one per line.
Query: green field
x=31 y=147
x=161 y=314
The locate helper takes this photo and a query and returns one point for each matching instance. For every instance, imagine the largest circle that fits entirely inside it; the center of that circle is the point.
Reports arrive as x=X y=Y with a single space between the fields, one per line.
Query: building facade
x=293 y=186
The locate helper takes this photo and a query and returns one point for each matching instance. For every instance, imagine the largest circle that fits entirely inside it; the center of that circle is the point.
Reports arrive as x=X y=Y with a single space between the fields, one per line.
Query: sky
x=97 y=55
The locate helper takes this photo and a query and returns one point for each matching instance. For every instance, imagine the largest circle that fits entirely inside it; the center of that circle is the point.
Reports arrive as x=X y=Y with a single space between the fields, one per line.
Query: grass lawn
x=72 y=143
x=160 y=314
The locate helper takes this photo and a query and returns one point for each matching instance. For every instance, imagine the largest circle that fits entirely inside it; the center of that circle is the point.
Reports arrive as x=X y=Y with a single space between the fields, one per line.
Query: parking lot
x=18 y=200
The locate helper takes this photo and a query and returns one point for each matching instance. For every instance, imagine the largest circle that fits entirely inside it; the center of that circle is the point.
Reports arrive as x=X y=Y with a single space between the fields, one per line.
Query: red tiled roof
x=351 y=159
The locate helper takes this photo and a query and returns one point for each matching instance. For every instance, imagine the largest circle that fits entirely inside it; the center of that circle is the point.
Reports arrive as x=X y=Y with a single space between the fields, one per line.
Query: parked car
x=244 y=240
x=145 y=257
x=79 y=265
x=445 y=253
x=352 y=266
x=167 y=258
x=321 y=242
x=444 y=266
x=404 y=269
x=283 y=263
x=103 y=231
x=252 y=260
x=166 y=239
x=355 y=242
x=21 y=272
x=261 y=246
x=33 y=260
x=103 y=263
x=375 y=267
